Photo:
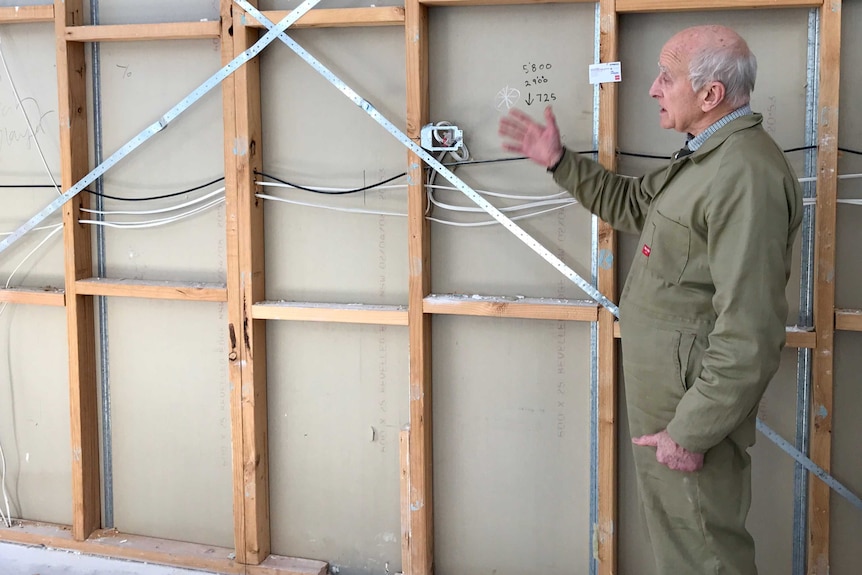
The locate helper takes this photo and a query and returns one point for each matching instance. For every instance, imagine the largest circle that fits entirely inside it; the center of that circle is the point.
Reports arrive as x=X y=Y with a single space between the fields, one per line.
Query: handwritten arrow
x=529 y=99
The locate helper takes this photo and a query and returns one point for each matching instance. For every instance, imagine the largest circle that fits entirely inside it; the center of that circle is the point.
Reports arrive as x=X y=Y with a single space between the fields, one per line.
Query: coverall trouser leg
x=696 y=521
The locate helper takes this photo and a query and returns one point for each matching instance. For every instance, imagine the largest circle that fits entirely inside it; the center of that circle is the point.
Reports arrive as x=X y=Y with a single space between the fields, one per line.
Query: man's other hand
x=669 y=452
x=522 y=135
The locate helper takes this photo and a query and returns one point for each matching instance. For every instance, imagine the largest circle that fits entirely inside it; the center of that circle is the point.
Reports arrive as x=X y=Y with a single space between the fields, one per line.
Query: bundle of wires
x=529 y=206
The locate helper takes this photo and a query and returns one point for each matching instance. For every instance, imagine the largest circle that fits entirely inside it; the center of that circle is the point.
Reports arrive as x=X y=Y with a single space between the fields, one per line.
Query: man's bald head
x=717 y=54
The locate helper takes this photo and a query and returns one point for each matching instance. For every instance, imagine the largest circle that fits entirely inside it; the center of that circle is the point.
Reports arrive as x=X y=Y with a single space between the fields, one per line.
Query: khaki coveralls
x=702 y=317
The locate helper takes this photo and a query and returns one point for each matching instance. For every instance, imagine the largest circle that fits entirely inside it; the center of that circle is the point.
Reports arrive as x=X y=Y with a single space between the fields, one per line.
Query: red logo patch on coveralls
x=646 y=250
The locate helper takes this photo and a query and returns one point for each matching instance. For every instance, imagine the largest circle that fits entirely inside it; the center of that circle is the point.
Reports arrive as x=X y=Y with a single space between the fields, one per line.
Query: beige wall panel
x=474 y=79
x=337 y=400
x=314 y=136
x=635 y=553
x=29 y=53
x=34 y=405
x=848 y=283
x=171 y=420
x=154 y=11
x=848 y=280
x=140 y=82
x=770 y=520
x=511 y=446
x=846 y=463
x=34 y=413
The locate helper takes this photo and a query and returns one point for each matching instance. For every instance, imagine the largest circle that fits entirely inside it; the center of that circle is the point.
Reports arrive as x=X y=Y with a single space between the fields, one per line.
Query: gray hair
x=734 y=66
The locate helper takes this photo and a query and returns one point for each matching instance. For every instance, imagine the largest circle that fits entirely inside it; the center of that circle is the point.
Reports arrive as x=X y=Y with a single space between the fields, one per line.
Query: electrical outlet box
x=441 y=137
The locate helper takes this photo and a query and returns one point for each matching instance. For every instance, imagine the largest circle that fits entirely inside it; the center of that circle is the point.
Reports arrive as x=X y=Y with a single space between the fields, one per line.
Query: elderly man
x=703 y=310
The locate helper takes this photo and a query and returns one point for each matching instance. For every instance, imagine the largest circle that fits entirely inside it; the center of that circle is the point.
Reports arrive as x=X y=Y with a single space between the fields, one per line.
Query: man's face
x=680 y=105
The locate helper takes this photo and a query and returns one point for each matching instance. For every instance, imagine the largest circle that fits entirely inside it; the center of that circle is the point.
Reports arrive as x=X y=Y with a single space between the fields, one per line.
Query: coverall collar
x=718 y=138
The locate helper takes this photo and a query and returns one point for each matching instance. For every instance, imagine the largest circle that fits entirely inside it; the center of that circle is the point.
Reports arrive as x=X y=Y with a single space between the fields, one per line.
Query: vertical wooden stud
x=80 y=316
x=605 y=531
x=824 y=289
x=419 y=554
x=245 y=286
x=404 y=454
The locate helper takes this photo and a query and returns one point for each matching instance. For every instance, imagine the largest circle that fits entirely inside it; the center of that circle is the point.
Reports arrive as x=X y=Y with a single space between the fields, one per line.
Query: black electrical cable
x=473 y=162
x=637 y=155
x=787 y=151
x=517 y=158
x=378 y=184
x=144 y=199
x=162 y=197
x=800 y=149
x=338 y=193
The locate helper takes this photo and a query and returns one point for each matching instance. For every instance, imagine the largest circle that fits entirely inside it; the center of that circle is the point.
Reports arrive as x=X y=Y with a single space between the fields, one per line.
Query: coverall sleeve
x=619 y=200
x=749 y=229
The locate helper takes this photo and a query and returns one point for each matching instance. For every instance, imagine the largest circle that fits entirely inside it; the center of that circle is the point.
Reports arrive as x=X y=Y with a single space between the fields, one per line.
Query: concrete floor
x=24 y=560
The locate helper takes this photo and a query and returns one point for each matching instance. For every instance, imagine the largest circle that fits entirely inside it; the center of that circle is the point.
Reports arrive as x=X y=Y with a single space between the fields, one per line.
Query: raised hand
x=522 y=135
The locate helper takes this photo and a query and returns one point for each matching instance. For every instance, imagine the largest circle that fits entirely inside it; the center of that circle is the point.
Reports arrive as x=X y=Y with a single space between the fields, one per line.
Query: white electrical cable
x=51 y=227
x=7 y=518
x=333 y=208
x=27 y=119
x=489 y=222
x=158 y=211
x=492 y=222
x=840 y=177
x=813 y=201
x=506 y=196
x=518 y=208
x=153 y=223
x=557 y=200
x=431 y=186
x=56 y=228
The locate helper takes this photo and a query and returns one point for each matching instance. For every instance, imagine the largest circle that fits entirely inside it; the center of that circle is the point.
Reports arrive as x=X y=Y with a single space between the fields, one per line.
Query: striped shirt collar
x=694 y=142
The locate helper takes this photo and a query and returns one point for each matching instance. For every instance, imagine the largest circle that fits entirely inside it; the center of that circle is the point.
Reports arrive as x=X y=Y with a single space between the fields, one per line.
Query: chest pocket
x=669 y=248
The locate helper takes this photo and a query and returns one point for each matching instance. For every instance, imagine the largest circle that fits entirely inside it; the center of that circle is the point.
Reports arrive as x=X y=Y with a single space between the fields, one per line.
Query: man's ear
x=713 y=96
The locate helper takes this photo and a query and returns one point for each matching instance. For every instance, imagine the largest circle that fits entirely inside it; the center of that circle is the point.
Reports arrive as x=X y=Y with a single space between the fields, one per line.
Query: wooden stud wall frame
x=248 y=310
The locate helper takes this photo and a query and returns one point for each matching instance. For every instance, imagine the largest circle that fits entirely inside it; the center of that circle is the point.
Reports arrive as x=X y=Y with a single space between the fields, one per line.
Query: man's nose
x=653 y=90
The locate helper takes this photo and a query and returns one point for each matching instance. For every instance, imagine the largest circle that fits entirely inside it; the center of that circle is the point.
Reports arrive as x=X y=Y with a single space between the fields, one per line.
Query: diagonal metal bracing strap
x=805 y=462
x=517 y=231
x=162 y=122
